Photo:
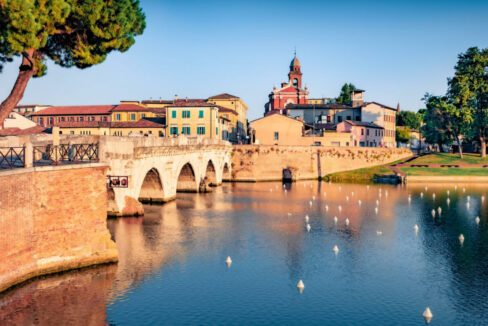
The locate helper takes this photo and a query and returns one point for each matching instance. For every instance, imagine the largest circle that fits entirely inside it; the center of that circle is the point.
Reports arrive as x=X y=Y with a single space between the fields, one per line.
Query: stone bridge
x=158 y=168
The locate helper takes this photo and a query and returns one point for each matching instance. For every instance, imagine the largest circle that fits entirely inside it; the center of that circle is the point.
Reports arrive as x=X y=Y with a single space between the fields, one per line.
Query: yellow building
x=131 y=111
x=236 y=104
x=196 y=119
x=143 y=127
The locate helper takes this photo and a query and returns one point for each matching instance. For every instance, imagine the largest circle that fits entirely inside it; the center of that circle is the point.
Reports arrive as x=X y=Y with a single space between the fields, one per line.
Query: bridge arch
x=226 y=176
x=187 y=181
x=151 y=190
x=211 y=174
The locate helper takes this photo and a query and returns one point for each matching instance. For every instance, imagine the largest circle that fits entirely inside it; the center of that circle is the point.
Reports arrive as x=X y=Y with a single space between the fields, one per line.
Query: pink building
x=365 y=134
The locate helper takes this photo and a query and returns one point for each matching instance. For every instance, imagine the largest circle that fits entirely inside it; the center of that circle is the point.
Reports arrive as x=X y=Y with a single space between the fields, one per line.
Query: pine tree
x=78 y=33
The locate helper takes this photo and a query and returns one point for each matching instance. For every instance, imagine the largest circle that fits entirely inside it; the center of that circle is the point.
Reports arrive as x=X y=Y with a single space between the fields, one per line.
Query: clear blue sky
x=394 y=50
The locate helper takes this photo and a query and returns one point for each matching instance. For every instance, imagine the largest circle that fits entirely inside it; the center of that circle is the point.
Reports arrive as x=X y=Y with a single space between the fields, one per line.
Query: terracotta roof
x=18 y=131
x=72 y=110
x=191 y=104
x=222 y=109
x=126 y=107
x=82 y=124
x=364 y=124
x=223 y=96
x=158 y=109
x=157 y=102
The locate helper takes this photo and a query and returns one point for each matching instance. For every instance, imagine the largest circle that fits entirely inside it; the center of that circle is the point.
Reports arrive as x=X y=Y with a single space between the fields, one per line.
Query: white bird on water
x=313 y=197
x=325 y=194
x=448 y=192
x=448 y=201
x=347 y=222
x=336 y=250
x=461 y=239
x=340 y=208
x=377 y=202
x=300 y=286
x=416 y=228
x=427 y=315
x=433 y=195
x=310 y=202
x=228 y=261
x=439 y=210
x=379 y=232
x=307 y=218
x=335 y=219
x=426 y=188
x=455 y=187
x=421 y=195
x=482 y=199
x=326 y=207
x=308 y=227
x=477 y=220
x=347 y=198
x=468 y=198
x=376 y=210
x=352 y=193
x=359 y=202
x=409 y=199
x=433 y=213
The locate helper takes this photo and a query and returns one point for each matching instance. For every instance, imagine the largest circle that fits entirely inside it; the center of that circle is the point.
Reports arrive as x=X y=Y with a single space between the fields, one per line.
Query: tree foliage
x=402 y=135
x=345 y=95
x=468 y=90
x=445 y=122
x=408 y=119
x=78 y=33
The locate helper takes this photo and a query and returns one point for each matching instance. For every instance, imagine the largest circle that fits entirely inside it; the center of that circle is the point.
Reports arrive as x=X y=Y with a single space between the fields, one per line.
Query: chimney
x=176 y=97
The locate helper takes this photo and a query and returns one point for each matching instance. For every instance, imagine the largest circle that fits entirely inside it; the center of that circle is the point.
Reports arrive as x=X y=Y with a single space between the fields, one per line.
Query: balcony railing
x=65 y=154
x=12 y=157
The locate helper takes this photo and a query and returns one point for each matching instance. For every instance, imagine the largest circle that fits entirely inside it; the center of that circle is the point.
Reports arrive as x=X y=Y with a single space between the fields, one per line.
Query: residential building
x=143 y=127
x=237 y=114
x=125 y=112
x=26 y=110
x=56 y=114
x=17 y=120
x=278 y=129
x=194 y=119
x=364 y=134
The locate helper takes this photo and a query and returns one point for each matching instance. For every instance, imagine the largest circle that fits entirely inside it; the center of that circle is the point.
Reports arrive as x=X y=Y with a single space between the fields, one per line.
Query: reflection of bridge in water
x=158 y=168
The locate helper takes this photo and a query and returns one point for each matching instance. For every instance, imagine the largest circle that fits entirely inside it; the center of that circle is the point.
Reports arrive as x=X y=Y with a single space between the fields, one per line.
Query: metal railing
x=12 y=157
x=65 y=154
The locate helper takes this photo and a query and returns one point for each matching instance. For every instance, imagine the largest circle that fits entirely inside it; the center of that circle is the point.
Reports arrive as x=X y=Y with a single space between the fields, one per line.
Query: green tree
x=446 y=122
x=408 y=119
x=468 y=90
x=78 y=33
x=402 y=135
x=345 y=95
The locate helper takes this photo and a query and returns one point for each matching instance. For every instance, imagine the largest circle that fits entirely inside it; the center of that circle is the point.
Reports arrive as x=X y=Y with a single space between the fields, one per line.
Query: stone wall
x=52 y=219
x=267 y=162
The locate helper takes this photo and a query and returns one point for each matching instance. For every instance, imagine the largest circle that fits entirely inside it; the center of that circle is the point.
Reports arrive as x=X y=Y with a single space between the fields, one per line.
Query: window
x=173 y=130
x=72 y=132
x=328 y=118
x=173 y=114
x=80 y=119
x=348 y=117
x=140 y=131
x=132 y=116
x=150 y=132
x=104 y=119
x=41 y=121
x=367 y=132
x=357 y=118
x=51 y=120
x=226 y=116
x=143 y=115
x=276 y=135
x=185 y=130
x=200 y=130
x=185 y=114
x=362 y=132
x=217 y=131
x=92 y=118
x=339 y=118
x=200 y=114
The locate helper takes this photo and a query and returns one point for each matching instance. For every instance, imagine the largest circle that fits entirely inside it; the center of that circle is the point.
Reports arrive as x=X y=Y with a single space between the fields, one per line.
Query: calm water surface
x=172 y=267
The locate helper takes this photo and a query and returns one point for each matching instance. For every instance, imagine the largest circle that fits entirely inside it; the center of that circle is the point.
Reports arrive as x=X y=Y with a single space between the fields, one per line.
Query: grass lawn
x=445 y=171
x=445 y=158
x=360 y=175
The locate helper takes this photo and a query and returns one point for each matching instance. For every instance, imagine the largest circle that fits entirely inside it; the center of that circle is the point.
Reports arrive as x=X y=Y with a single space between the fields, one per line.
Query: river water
x=172 y=268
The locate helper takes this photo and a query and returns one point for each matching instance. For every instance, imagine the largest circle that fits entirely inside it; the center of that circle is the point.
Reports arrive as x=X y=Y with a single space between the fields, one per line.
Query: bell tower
x=295 y=74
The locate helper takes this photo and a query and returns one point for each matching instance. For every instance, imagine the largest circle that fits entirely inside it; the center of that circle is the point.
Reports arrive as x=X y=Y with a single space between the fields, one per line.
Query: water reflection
x=172 y=261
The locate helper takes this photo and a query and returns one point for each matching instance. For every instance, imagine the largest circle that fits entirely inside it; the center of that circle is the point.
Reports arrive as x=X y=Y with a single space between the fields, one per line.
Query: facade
x=17 y=120
x=290 y=92
x=131 y=112
x=56 y=114
x=143 y=127
x=237 y=114
x=364 y=134
x=26 y=110
x=278 y=129
x=194 y=119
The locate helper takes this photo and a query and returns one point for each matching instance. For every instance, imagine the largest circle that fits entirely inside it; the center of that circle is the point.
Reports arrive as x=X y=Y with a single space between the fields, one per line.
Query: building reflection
x=74 y=298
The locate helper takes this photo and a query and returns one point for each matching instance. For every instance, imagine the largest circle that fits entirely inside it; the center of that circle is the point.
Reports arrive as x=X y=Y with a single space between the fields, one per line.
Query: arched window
x=295 y=82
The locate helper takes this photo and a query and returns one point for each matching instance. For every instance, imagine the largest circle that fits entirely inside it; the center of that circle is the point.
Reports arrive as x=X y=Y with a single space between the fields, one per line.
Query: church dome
x=294 y=63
